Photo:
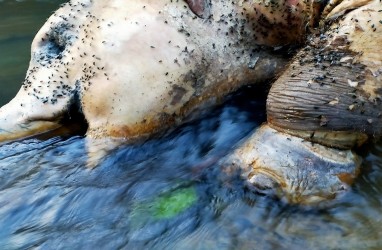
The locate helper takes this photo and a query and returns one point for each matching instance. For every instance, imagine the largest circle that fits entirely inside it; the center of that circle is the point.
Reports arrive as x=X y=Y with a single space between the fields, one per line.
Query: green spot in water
x=164 y=206
x=173 y=203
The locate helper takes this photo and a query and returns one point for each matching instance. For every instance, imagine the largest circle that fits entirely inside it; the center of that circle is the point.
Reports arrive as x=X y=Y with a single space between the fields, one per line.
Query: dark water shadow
x=169 y=193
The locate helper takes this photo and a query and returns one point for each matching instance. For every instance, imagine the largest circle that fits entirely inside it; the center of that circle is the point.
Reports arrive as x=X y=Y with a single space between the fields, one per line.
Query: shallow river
x=166 y=193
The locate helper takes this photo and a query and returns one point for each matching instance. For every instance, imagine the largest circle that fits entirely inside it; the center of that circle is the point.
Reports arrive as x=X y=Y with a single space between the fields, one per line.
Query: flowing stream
x=165 y=193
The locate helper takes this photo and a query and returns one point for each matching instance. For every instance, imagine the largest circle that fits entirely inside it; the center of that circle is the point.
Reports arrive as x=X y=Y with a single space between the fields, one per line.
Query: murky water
x=19 y=22
x=166 y=193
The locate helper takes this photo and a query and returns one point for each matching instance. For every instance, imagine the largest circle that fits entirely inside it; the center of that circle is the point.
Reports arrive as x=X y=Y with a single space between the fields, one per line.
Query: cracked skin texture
x=331 y=92
x=323 y=105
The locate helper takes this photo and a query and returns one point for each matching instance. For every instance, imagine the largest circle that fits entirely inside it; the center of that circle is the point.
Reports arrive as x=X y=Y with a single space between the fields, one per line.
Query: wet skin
x=137 y=68
x=329 y=95
x=128 y=79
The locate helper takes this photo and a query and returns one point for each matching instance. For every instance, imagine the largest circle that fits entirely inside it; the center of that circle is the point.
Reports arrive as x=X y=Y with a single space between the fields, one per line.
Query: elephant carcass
x=136 y=67
x=325 y=104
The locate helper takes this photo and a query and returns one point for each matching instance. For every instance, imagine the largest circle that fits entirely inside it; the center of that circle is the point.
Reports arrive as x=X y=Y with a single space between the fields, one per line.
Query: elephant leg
x=325 y=104
x=331 y=93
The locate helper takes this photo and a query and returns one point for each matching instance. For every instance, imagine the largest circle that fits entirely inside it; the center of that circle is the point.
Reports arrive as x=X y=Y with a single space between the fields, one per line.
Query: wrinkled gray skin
x=134 y=68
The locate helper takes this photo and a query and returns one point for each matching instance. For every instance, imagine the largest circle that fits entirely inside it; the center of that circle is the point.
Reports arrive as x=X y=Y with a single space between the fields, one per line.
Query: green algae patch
x=164 y=206
x=173 y=203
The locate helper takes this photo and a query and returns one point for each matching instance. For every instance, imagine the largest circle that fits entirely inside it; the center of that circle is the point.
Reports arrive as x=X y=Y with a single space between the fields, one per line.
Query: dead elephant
x=135 y=67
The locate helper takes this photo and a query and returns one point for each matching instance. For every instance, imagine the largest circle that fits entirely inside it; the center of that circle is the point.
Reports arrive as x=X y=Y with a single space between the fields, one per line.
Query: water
x=165 y=193
x=19 y=22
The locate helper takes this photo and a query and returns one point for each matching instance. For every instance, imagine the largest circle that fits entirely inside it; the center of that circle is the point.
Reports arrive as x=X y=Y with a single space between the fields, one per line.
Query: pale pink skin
x=135 y=67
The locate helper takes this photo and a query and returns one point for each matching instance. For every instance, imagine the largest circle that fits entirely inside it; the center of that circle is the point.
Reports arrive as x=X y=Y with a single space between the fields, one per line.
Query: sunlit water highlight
x=166 y=193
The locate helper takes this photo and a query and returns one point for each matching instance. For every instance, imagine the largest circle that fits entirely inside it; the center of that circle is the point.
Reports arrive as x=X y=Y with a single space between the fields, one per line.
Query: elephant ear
x=199 y=7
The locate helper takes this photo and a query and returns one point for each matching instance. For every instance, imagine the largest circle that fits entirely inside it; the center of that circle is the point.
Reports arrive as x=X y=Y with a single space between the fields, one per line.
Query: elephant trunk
x=15 y=123
x=26 y=116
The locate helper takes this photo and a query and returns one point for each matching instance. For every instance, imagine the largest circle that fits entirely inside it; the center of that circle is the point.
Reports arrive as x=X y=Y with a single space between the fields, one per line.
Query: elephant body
x=137 y=67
